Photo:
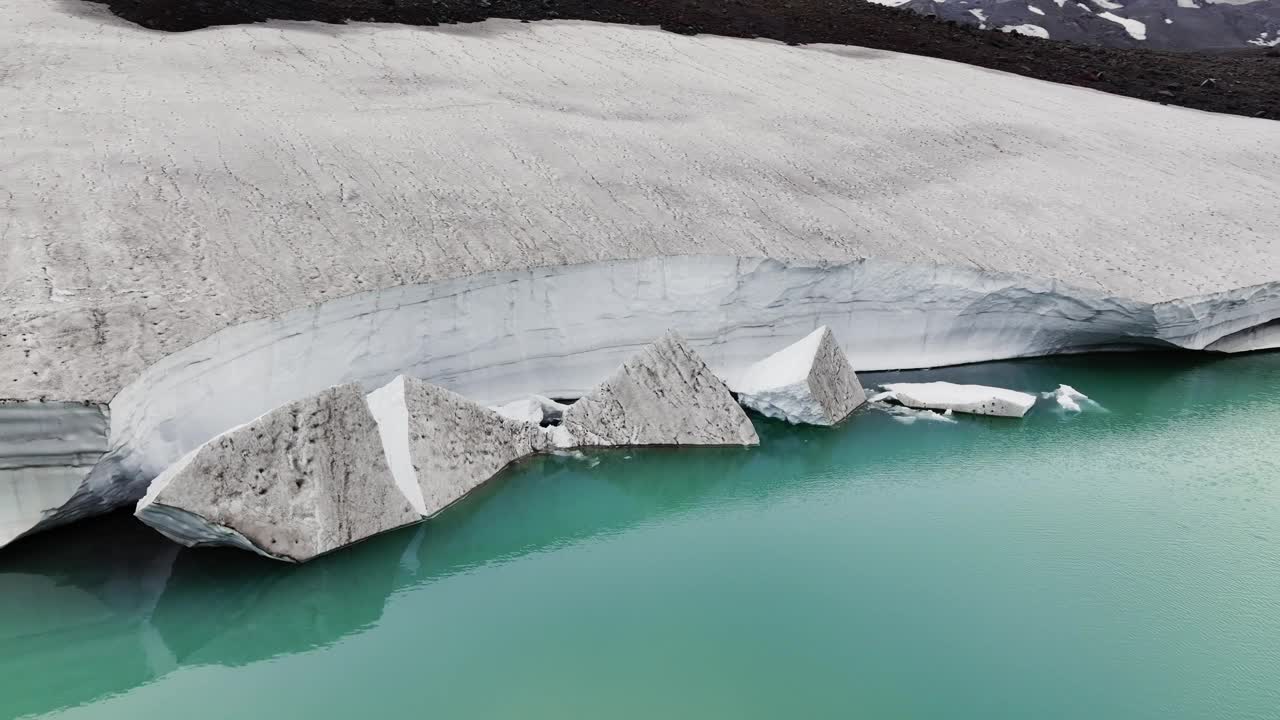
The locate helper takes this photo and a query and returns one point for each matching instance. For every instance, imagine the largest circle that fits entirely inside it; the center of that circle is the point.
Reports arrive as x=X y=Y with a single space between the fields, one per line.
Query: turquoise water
x=1114 y=564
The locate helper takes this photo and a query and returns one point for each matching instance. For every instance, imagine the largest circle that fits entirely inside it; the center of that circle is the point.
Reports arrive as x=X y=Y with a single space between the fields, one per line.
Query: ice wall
x=46 y=451
x=558 y=331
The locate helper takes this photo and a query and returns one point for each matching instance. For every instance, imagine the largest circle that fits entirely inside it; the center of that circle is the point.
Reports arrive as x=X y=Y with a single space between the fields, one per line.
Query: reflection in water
x=107 y=606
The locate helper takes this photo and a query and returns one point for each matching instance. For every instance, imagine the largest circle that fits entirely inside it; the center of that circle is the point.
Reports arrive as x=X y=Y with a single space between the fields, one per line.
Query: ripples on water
x=1123 y=564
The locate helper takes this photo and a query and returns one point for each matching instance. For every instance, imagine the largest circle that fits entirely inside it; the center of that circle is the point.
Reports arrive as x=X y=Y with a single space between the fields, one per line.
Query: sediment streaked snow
x=209 y=196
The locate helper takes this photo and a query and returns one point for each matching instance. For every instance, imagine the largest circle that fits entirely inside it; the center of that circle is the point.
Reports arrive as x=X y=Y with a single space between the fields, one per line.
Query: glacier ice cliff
x=200 y=228
x=46 y=451
x=495 y=337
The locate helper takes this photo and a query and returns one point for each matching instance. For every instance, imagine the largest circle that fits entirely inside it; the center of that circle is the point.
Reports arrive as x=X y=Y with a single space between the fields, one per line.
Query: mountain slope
x=1154 y=24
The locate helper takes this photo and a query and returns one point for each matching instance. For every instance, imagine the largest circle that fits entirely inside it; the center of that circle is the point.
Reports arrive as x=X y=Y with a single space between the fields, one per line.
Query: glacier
x=200 y=228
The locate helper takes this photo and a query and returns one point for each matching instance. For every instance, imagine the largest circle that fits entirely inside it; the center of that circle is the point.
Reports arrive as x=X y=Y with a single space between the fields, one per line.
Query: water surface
x=1114 y=564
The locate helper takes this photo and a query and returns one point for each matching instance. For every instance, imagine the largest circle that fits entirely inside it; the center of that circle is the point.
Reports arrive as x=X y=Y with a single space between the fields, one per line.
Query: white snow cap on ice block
x=973 y=399
x=808 y=382
x=440 y=446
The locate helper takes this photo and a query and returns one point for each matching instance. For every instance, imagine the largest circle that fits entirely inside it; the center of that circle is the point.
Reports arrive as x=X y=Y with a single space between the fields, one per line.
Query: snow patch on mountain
x=1028 y=30
x=1136 y=29
x=1262 y=40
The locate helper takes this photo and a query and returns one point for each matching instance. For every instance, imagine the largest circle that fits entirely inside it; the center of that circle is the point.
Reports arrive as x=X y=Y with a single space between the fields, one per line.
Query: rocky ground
x=1152 y=24
x=1243 y=83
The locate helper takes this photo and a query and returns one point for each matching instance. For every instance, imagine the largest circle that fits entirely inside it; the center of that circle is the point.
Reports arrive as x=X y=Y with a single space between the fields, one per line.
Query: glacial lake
x=1120 y=563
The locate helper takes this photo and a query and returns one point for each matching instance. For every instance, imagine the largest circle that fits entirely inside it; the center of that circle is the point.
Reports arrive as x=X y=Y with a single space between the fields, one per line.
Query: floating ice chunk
x=1190 y=4
x=1107 y=4
x=1035 y=9
x=1027 y=29
x=534 y=409
x=663 y=395
x=300 y=481
x=1070 y=399
x=979 y=13
x=445 y=445
x=809 y=382
x=1136 y=28
x=973 y=399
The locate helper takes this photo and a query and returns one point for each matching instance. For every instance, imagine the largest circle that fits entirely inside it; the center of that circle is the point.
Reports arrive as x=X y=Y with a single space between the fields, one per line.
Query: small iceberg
x=1071 y=399
x=973 y=399
x=807 y=383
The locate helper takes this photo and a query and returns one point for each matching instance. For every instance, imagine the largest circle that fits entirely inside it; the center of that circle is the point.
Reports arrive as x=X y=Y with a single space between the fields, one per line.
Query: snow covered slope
x=157 y=189
x=1156 y=24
